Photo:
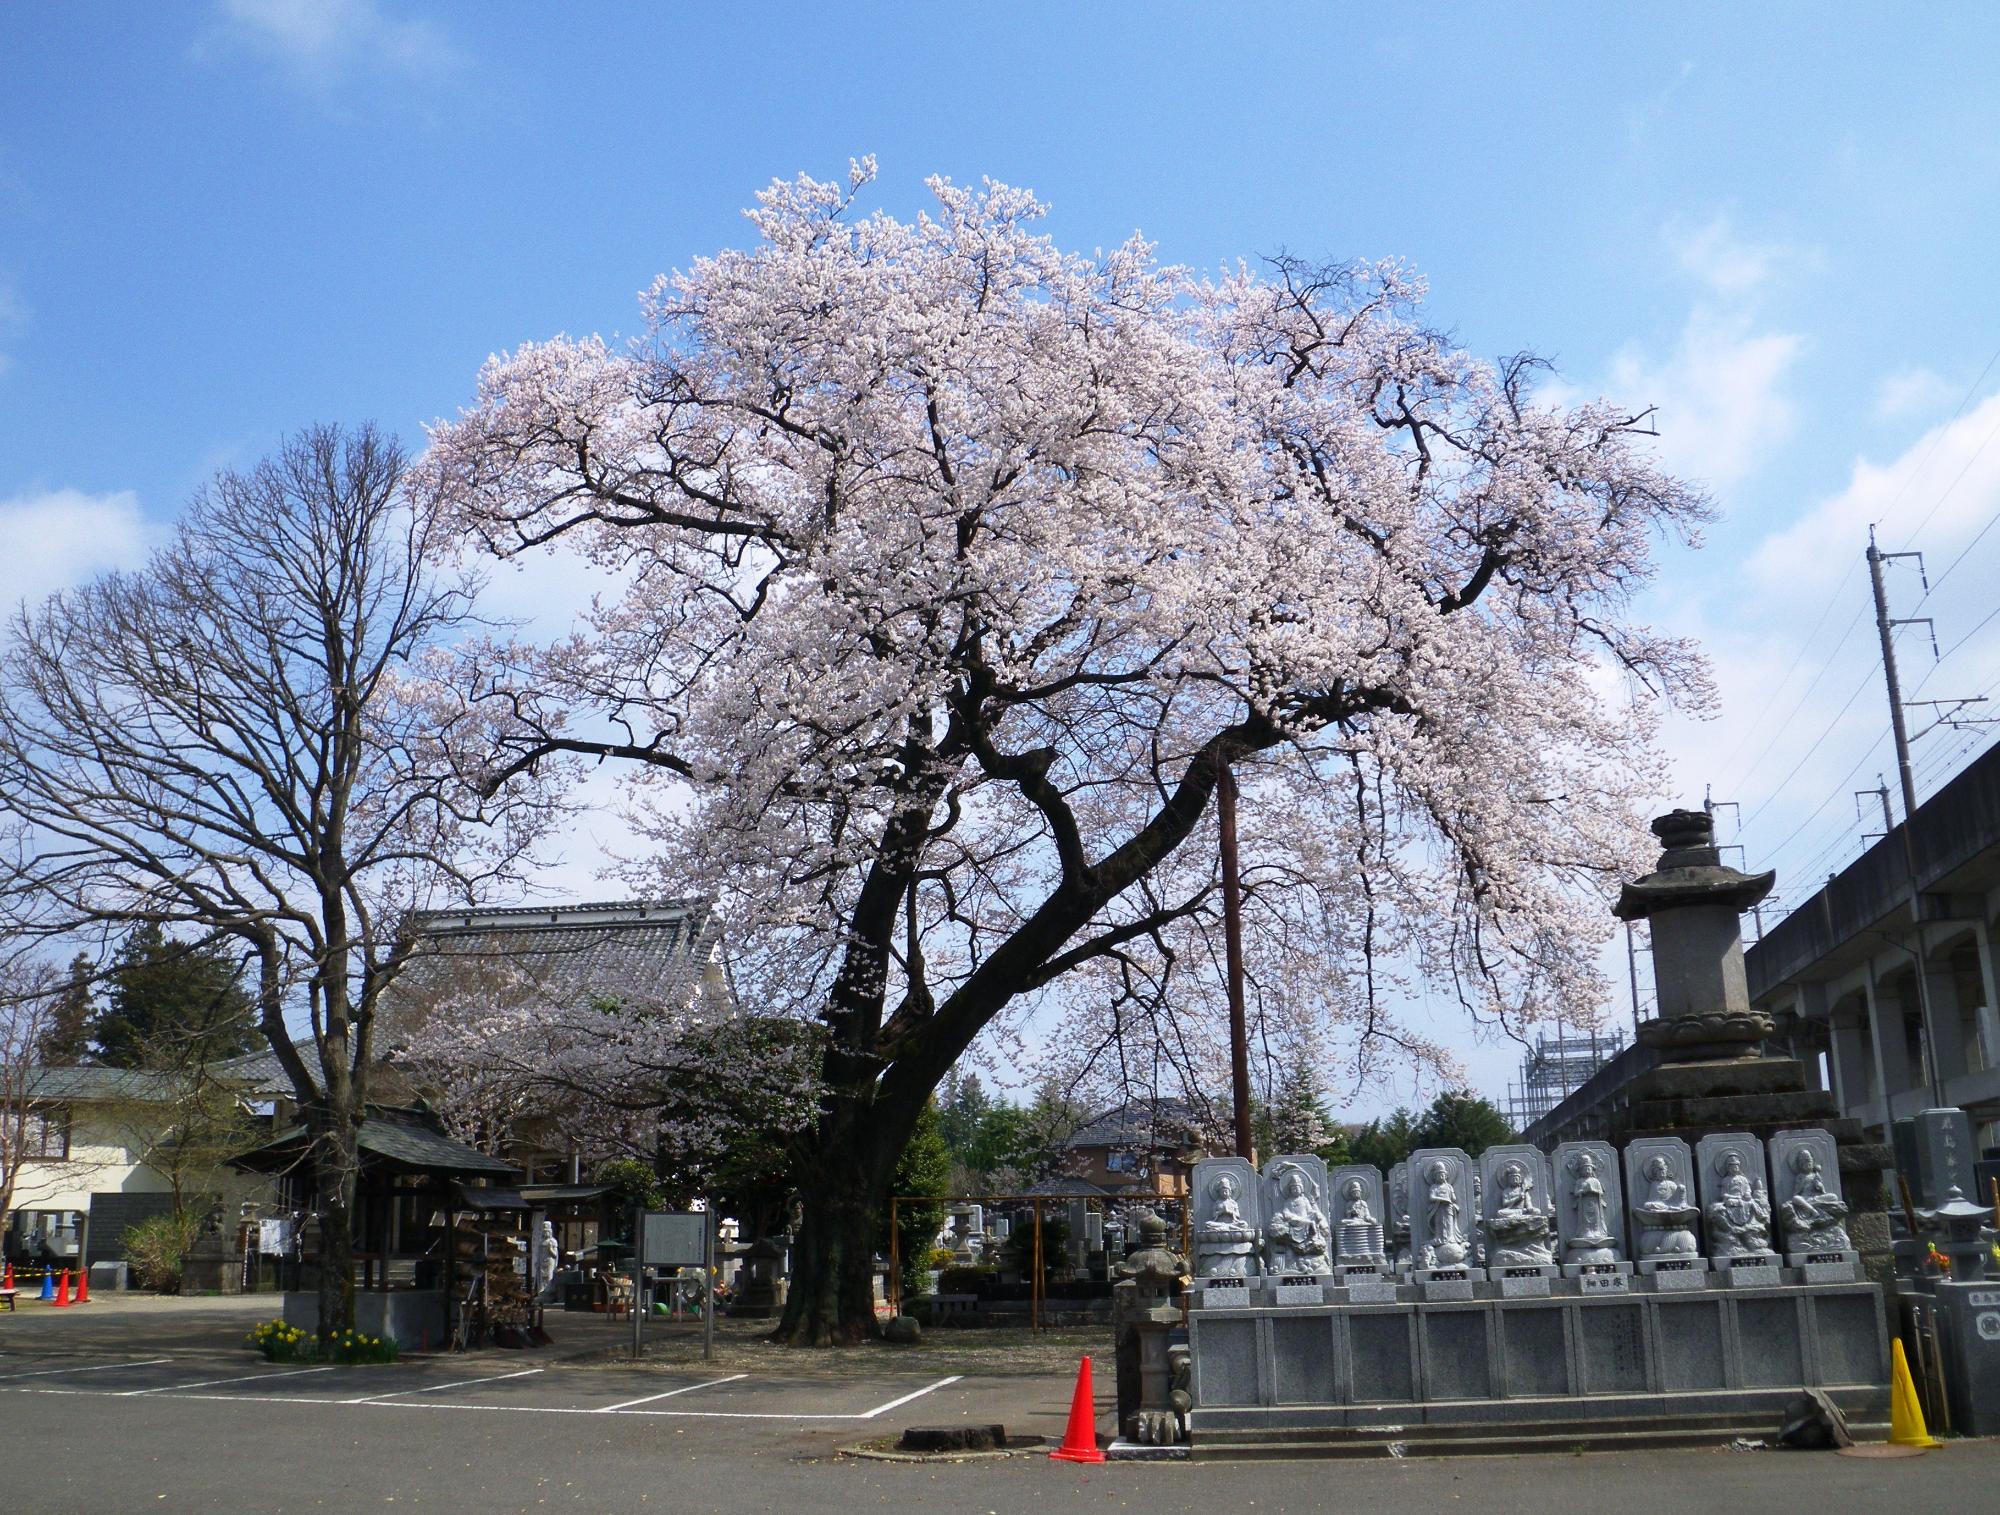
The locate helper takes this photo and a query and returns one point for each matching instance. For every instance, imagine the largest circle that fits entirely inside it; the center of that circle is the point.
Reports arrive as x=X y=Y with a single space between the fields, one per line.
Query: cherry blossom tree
x=946 y=571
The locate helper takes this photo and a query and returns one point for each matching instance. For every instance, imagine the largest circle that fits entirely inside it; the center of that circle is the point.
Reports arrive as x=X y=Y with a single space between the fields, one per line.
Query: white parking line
x=438 y=1388
x=99 y=1368
x=914 y=1394
x=209 y=1383
x=684 y=1389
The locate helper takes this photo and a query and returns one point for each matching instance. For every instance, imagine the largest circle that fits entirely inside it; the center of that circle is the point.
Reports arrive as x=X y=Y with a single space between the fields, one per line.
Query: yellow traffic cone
x=1906 y=1416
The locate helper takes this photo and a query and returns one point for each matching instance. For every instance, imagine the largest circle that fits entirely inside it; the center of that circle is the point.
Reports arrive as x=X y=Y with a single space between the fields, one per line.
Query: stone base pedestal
x=1521 y=1281
x=1672 y=1274
x=1302 y=1289
x=1600 y=1278
x=1446 y=1283
x=1379 y=1290
x=1758 y=1272
x=1221 y=1293
x=1347 y=1273
x=1267 y=1373
x=1826 y=1267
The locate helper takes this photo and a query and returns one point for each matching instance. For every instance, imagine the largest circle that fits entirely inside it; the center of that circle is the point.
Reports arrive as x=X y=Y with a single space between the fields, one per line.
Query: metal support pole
x=638 y=1259
x=708 y=1288
x=1232 y=940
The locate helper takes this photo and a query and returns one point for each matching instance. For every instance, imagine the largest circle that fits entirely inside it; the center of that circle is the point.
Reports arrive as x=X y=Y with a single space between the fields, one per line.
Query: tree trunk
x=843 y=1185
x=336 y=1164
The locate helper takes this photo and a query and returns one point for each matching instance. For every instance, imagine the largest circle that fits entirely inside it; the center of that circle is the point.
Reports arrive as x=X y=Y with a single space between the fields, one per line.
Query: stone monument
x=1225 y=1229
x=1398 y=1241
x=1590 y=1217
x=1518 y=1212
x=1736 y=1208
x=1298 y=1235
x=1712 y=1075
x=1359 y=1246
x=1811 y=1215
x=1442 y=1216
x=1659 y=1188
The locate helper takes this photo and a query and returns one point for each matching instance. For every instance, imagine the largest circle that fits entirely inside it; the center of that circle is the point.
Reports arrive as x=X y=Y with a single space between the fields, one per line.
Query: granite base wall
x=1710 y=1352
x=414 y=1319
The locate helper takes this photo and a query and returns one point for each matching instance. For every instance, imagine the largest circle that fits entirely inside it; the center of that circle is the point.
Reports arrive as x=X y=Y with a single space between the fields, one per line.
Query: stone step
x=1562 y=1443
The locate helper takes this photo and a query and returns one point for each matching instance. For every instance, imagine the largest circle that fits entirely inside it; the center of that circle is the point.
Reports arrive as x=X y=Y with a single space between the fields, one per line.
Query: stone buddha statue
x=1296 y=1236
x=1665 y=1217
x=1594 y=1243
x=1813 y=1218
x=1739 y=1220
x=1447 y=1244
x=1360 y=1233
x=1223 y=1243
x=1521 y=1233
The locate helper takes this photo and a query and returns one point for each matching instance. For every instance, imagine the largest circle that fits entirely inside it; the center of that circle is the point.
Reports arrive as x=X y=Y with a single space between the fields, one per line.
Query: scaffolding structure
x=1554 y=1067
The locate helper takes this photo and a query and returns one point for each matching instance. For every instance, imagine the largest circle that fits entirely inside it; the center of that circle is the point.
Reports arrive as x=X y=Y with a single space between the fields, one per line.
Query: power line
x=1779 y=787
x=1805 y=646
x=1936 y=441
x=1824 y=669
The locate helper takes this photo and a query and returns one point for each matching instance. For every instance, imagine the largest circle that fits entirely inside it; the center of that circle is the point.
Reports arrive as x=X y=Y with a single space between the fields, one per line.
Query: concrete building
x=1892 y=1011
x=1899 y=1007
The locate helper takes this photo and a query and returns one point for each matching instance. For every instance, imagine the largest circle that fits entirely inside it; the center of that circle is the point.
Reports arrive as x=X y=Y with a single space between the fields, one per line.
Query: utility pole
x=1232 y=942
x=1885 y=630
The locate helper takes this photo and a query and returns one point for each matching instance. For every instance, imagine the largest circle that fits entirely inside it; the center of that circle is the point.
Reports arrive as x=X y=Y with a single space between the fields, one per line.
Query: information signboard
x=671 y=1239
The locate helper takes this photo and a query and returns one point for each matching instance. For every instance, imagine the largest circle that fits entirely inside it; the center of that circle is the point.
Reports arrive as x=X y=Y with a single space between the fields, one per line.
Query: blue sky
x=1777 y=222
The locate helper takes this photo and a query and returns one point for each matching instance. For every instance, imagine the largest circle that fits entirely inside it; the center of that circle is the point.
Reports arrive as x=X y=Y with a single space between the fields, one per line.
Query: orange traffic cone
x=62 y=1290
x=1079 y=1443
x=9 y=1284
x=82 y=1287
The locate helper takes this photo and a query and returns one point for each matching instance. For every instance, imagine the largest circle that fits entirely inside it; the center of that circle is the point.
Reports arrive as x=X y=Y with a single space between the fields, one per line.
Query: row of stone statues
x=1440 y=1212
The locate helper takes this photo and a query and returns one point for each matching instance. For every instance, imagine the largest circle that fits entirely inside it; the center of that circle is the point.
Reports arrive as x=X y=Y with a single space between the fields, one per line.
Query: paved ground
x=193 y=1427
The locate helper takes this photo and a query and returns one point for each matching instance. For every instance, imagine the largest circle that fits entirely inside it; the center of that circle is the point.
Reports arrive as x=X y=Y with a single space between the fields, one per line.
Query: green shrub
x=282 y=1343
x=157 y=1249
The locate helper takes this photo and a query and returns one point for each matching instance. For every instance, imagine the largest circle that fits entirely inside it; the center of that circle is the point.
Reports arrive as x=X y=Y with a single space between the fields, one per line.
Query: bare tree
x=241 y=741
x=27 y=998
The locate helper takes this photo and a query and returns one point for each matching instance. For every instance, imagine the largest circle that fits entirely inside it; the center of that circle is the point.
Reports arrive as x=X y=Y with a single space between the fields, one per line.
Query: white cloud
x=61 y=537
x=1908 y=391
x=1724 y=262
x=1721 y=393
x=322 y=41
x=1947 y=483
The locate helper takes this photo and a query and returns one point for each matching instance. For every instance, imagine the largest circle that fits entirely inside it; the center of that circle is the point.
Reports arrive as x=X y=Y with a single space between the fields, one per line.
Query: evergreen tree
x=65 y=1040
x=1463 y=1120
x=1387 y=1140
x=171 y=1004
x=922 y=1173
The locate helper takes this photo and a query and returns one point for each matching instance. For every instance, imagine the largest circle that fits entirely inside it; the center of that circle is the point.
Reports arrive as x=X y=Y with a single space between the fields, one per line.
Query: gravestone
x=1736 y=1208
x=1660 y=1202
x=1944 y=1151
x=1442 y=1217
x=1225 y=1230
x=1298 y=1234
x=1590 y=1217
x=1518 y=1215
x=1811 y=1213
